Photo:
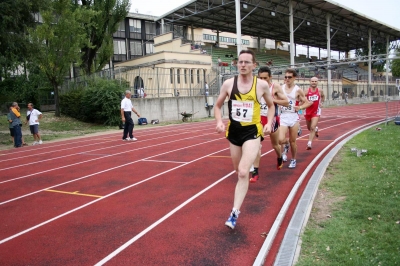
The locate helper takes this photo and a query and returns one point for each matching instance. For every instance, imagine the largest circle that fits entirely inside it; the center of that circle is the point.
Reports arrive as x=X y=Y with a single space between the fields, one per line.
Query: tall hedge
x=97 y=102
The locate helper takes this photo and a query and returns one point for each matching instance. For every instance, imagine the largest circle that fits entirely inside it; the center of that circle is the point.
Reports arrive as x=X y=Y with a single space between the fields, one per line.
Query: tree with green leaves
x=109 y=13
x=395 y=65
x=376 y=49
x=17 y=16
x=59 y=40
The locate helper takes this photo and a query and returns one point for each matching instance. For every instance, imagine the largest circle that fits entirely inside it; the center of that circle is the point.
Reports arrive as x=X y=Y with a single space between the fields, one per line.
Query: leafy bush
x=22 y=90
x=98 y=102
x=71 y=104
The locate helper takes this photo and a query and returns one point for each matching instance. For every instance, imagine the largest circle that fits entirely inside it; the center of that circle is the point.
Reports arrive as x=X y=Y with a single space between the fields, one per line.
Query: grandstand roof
x=270 y=19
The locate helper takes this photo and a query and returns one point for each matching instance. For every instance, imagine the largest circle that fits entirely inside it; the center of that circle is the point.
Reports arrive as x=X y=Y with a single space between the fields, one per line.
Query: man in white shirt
x=126 y=112
x=33 y=116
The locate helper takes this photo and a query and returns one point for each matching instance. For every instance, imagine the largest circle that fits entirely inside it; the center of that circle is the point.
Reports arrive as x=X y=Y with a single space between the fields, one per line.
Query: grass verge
x=355 y=218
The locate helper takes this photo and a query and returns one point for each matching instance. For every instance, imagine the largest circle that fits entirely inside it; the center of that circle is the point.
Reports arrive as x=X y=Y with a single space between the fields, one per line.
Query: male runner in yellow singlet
x=244 y=129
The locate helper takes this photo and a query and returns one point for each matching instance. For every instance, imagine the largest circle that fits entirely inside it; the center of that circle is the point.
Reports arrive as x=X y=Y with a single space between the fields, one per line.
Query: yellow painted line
x=220 y=156
x=73 y=193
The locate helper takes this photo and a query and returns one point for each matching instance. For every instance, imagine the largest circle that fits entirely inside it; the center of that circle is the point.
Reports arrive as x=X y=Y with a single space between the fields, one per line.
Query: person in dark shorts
x=32 y=117
x=244 y=130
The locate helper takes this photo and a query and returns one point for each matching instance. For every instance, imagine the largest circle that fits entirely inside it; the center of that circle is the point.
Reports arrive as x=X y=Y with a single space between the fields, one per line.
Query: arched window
x=185 y=75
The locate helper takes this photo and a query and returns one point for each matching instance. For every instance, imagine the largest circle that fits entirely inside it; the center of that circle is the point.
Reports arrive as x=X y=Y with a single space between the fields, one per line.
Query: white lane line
x=259 y=261
x=95 y=138
x=88 y=151
x=108 y=195
x=132 y=240
x=174 y=133
x=157 y=161
x=91 y=160
x=138 y=236
x=106 y=170
x=113 y=193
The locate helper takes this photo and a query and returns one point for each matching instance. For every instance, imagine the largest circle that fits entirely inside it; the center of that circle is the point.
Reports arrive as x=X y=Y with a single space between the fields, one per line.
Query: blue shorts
x=34 y=129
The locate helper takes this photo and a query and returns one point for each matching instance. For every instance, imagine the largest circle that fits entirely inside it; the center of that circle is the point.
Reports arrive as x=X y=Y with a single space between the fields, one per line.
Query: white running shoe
x=40 y=142
x=286 y=149
x=252 y=168
x=133 y=139
x=292 y=163
x=35 y=143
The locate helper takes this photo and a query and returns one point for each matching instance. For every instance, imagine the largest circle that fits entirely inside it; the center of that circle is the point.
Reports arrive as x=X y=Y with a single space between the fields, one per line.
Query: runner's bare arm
x=304 y=102
x=224 y=92
x=271 y=107
x=280 y=97
x=321 y=92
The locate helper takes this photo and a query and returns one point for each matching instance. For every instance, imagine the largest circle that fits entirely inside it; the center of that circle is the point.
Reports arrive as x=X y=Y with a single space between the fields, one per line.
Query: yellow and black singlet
x=244 y=114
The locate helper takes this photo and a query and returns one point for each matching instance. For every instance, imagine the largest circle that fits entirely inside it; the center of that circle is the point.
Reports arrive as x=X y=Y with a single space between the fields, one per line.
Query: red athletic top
x=315 y=98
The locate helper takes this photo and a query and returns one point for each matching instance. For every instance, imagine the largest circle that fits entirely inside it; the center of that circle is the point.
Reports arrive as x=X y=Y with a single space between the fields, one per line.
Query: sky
x=386 y=11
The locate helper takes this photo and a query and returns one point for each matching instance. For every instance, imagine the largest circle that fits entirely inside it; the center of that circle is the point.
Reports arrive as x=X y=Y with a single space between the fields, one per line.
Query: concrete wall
x=163 y=38
x=170 y=109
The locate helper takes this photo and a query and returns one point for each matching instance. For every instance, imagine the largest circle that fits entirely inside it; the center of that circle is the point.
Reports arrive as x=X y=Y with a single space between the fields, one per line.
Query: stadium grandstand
x=268 y=28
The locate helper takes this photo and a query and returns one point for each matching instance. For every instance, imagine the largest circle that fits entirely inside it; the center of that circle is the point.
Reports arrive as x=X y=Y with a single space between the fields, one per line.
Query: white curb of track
x=300 y=217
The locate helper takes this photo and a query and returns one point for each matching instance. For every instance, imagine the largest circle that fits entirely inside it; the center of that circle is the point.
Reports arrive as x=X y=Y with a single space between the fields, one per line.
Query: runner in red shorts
x=313 y=112
x=279 y=98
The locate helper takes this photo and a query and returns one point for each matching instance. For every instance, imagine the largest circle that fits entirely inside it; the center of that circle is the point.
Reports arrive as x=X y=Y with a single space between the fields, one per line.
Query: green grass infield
x=355 y=219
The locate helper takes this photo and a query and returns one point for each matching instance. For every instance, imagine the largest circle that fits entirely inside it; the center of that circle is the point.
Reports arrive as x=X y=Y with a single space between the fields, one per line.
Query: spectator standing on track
x=289 y=117
x=244 y=129
x=33 y=116
x=15 y=116
x=279 y=98
x=312 y=113
x=126 y=113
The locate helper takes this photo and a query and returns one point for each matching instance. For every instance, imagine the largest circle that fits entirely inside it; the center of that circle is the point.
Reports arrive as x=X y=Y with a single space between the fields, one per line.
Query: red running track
x=161 y=200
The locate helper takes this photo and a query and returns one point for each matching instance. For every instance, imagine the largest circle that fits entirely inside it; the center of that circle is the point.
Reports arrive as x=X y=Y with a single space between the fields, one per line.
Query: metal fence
x=159 y=82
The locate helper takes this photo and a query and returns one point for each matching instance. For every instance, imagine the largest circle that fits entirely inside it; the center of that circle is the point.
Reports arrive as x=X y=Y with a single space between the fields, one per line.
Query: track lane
x=215 y=219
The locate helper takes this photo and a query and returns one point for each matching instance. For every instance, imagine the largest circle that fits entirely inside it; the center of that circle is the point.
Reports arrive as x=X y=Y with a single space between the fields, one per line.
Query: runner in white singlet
x=289 y=117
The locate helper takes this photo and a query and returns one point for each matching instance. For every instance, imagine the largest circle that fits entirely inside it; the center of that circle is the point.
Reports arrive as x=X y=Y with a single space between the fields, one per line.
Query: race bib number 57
x=242 y=111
